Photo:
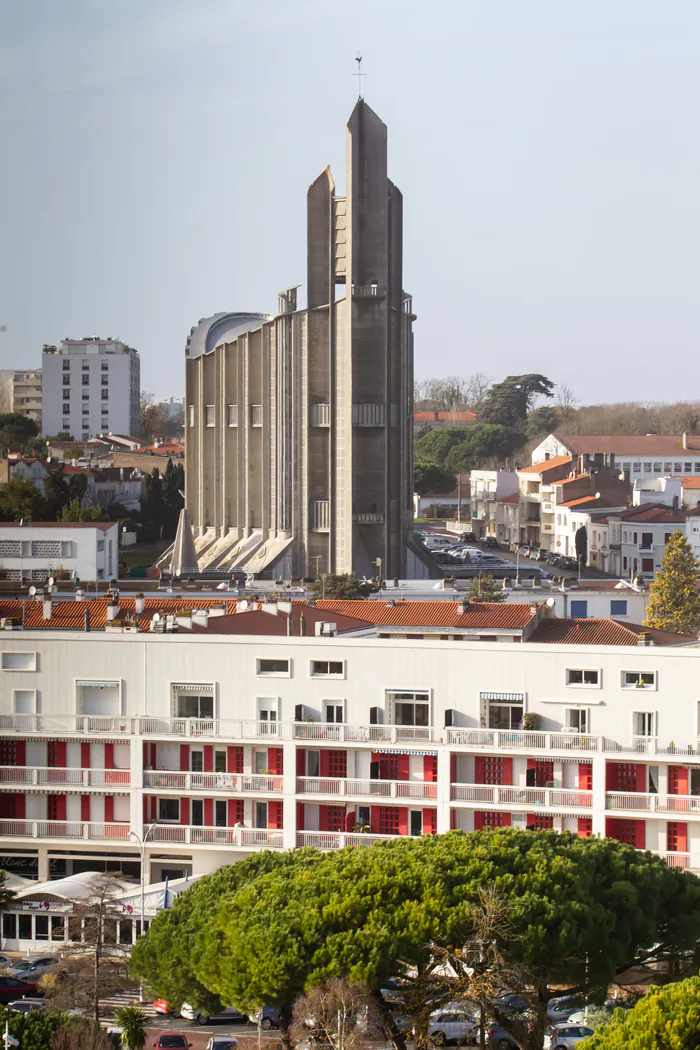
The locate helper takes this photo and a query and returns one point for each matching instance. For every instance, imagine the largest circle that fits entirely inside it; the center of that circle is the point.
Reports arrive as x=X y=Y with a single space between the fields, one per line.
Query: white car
x=451 y=1026
x=562 y=1036
x=226 y=1014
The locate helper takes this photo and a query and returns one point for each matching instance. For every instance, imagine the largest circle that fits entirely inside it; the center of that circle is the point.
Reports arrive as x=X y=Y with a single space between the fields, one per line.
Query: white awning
x=190 y=687
x=98 y=685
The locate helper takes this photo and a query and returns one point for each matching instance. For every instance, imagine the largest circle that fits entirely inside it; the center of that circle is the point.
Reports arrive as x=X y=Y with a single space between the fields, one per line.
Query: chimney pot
x=47 y=609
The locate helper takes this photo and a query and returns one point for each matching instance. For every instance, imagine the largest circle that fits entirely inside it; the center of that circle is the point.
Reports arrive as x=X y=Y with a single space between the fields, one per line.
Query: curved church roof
x=220 y=328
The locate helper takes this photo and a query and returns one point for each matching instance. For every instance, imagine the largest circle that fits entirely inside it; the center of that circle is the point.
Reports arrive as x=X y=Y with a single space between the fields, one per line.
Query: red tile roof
x=581 y=500
x=258 y=622
x=601 y=632
x=690 y=483
x=653 y=513
x=434 y=614
x=545 y=465
x=460 y=416
x=513 y=498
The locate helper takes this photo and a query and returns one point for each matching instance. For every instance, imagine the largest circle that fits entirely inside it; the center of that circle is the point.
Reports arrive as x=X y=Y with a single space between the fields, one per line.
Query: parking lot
x=199 y=1035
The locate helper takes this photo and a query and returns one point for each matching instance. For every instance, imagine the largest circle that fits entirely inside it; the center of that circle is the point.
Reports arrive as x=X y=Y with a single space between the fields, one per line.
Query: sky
x=156 y=156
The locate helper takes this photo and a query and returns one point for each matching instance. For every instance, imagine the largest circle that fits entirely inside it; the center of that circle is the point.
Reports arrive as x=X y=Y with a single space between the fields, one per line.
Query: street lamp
x=142 y=851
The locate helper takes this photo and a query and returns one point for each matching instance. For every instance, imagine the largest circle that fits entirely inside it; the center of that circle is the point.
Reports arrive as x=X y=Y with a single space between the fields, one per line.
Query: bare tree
x=94 y=963
x=151 y=422
x=341 y=1013
x=476 y=388
x=80 y=1033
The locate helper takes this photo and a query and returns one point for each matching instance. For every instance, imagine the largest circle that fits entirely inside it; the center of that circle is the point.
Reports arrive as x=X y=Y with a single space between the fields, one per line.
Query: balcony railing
x=121 y=725
x=523 y=739
x=232 y=783
x=338 y=839
x=408 y=789
x=640 y=801
x=194 y=835
x=62 y=829
x=55 y=777
x=492 y=794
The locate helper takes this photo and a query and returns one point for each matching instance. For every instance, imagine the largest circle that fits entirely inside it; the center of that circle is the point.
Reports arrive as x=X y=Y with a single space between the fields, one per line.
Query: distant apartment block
x=20 y=391
x=91 y=386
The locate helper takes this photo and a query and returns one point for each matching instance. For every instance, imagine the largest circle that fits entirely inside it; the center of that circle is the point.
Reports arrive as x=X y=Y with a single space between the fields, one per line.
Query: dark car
x=172 y=1041
x=11 y=988
x=510 y=1003
x=568 y=563
x=467 y=537
x=270 y=1018
x=488 y=541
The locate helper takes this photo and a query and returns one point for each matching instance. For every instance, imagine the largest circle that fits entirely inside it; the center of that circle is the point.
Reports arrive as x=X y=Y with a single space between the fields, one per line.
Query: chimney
x=47 y=607
x=113 y=606
x=685 y=440
x=302 y=624
x=79 y=595
x=200 y=617
x=139 y=603
x=87 y=619
x=289 y=625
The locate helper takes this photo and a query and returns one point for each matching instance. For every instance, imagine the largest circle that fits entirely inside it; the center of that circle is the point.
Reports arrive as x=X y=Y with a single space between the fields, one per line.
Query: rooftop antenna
x=359 y=75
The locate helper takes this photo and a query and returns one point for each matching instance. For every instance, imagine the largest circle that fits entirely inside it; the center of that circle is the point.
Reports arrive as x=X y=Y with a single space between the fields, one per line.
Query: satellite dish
x=550 y=602
x=32 y=590
x=597 y=495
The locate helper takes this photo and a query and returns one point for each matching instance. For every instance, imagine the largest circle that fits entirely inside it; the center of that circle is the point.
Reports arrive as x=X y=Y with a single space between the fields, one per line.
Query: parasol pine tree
x=674 y=601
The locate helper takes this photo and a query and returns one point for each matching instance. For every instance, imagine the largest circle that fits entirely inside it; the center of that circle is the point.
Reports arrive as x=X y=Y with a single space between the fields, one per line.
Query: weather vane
x=359 y=74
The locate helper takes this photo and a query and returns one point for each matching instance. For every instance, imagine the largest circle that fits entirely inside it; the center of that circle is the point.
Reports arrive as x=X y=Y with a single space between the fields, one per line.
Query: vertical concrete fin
x=183 y=559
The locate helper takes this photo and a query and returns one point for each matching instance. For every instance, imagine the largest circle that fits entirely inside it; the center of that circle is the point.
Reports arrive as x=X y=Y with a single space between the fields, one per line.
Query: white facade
x=90 y=387
x=21 y=392
x=666 y=490
x=643 y=545
x=488 y=489
x=643 y=456
x=81 y=550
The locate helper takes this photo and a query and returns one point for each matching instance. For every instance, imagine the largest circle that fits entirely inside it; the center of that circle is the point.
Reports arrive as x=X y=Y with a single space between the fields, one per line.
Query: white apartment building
x=84 y=551
x=495 y=501
x=21 y=392
x=333 y=731
x=638 y=456
x=90 y=387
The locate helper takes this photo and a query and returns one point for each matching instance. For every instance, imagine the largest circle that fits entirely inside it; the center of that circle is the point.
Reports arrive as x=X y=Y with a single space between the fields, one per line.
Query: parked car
x=567 y=563
x=560 y=1009
x=500 y=1039
x=227 y=1014
x=34 y=967
x=172 y=1041
x=26 y=1006
x=268 y=1017
x=5 y=961
x=488 y=541
x=562 y=1036
x=525 y=549
x=11 y=988
x=449 y=1026
x=162 y=1007
x=510 y=1003
x=467 y=537
x=222 y=1042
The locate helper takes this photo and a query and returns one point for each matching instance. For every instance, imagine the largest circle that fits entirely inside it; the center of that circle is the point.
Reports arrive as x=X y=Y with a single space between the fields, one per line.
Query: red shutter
x=301 y=762
x=683 y=780
x=350 y=820
x=323 y=768
x=479 y=774
x=453 y=819
x=61 y=806
x=85 y=807
x=145 y=810
x=85 y=755
x=682 y=831
x=640 y=833
x=275 y=760
x=677 y=780
x=507 y=777
x=236 y=811
x=56 y=754
x=429 y=821
x=234 y=759
x=531 y=763
x=154 y=808
x=430 y=768
x=611 y=776
x=585 y=827
x=585 y=776
x=109 y=756
x=184 y=757
x=208 y=812
x=374 y=819
x=208 y=761
x=506 y=820
x=403 y=771
x=453 y=769
x=300 y=816
x=109 y=809
x=403 y=819
x=153 y=755
x=184 y=811
x=478 y=821
x=274 y=815
x=21 y=753
x=323 y=818
x=146 y=752
x=641 y=778
x=20 y=806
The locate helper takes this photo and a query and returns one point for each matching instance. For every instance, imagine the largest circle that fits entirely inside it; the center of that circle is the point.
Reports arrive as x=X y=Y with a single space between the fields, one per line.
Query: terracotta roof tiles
x=434 y=614
x=545 y=465
x=601 y=632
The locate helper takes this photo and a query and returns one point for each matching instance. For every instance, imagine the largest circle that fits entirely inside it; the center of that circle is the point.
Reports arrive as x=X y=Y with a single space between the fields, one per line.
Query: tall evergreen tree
x=674 y=601
x=485 y=589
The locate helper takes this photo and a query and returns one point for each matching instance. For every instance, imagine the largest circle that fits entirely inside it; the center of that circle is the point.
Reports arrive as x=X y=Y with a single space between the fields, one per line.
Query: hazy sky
x=156 y=156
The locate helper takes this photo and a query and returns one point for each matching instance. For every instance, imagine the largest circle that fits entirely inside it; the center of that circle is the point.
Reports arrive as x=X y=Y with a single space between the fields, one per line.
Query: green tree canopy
x=674 y=602
x=579 y=912
x=342 y=585
x=484 y=441
x=509 y=402
x=485 y=589
x=429 y=477
x=435 y=446
x=19 y=498
x=16 y=430
x=665 y=1019
x=541 y=421
x=74 y=512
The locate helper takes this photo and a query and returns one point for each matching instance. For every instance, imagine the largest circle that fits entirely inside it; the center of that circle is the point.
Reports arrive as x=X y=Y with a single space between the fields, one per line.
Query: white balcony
x=194 y=835
x=63 y=829
x=521 y=797
x=641 y=802
x=331 y=786
x=231 y=783
x=339 y=839
x=53 y=777
x=60 y=725
x=522 y=740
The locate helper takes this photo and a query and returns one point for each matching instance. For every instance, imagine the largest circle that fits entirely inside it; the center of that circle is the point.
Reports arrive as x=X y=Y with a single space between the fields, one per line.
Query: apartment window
x=579 y=609
x=169 y=809
x=209 y=416
x=327 y=669
x=618 y=607
x=335 y=816
x=256 y=415
x=647 y=541
x=232 y=415
x=333 y=711
x=677 y=468
x=105 y=380
x=408 y=709
x=194 y=702
x=191 y=415
x=66 y=366
x=647 y=468
x=389 y=820
x=86 y=411
x=636 y=468
x=667 y=537
x=657 y=468
x=196 y=762
x=648 y=565
x=18 y=661
x=219 y=761
x=85 y=395
x=491 y=771
x=639 y=679
x=687 y=468
x=85 y=366
x=578 y=718
x=104 y=394
x=540 y=822
x=676 y=837
x=644 y=723
x=268 y=715
x=86 y=378
x=274 y=667
x=338 y=764
x=581 y=676
x=66 y=380
x=66 y=394
x=667 y=468
x=697 y=467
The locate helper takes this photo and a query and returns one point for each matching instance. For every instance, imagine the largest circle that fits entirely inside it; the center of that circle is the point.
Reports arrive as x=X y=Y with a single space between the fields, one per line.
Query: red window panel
x=429 y=821
x=301 y=762
x=491 y=820
x=12 y=807
x=208 y=760
x=56 y=754
x=544 y=773
x=493 y=770
x=300 y=815
x=677 y=780
x=626 y=776
x=585 y=827
x=337 y=764
x=85 y=807
x=13 y=753
x=430 y=769
x=274 y=812
x=453 y=769
x=236 y=811
x=85 y=755
x=56 y=807
x=208 y=812
x=540 y=822
x=184 y=810
x=453 y=819
x=389 y=820
x=335 y=818
x=631 y=832
x=585 y=776
x=234 y=759
x=275 y=761
x=109 y=756
x=109 y=809
x=184 y=757
x=676 y=837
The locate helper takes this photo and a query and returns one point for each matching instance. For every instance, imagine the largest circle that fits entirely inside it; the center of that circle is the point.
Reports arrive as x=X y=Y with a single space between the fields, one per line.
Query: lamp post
x=142 y=851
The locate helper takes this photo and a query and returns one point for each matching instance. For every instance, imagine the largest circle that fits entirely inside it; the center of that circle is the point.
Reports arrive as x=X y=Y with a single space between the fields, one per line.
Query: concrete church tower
x=299 y=426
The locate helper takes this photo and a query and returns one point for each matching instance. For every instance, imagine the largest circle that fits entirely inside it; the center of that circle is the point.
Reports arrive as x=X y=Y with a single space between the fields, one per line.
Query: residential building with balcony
x=85 y=551
x=495 y=501
x=21 y=392
x=645 y=531
x=345 y=723
x=636 y=455
x=537 y=499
